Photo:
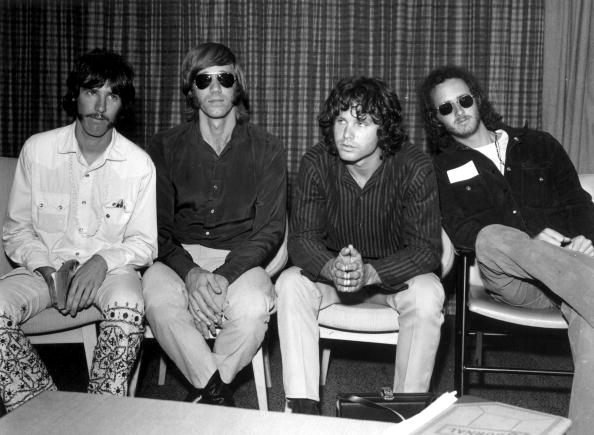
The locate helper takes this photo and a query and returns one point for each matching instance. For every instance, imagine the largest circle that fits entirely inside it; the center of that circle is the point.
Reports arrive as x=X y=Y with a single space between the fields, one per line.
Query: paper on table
x=410 y=425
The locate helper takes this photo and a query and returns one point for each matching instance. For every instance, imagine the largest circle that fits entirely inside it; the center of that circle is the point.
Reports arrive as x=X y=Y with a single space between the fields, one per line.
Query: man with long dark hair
x=82 y=195
x=364 y=227
x=221 y=195
x=513 y=197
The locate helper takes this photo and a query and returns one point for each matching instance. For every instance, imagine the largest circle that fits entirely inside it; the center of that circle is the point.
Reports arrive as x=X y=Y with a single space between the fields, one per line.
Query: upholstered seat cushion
x=365 y=317
x=51 y=320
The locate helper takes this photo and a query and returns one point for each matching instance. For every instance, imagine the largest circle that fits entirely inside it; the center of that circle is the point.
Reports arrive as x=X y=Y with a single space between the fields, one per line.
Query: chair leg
x=162 y=370
x=267 y=374
x=260 y=380
x=89 y=334
x=325 y=364
x=478 y=348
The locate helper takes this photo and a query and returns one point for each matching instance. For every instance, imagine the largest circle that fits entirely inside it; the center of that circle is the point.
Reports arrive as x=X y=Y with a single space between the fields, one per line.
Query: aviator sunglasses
x=465 y=101
x=226 y=79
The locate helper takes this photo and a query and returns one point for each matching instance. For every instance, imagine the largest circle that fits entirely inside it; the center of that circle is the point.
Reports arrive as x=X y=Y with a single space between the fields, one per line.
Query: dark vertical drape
x=293 y=53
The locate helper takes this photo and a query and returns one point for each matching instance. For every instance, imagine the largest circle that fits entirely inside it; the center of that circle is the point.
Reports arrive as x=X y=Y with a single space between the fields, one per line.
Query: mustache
x=99 y=116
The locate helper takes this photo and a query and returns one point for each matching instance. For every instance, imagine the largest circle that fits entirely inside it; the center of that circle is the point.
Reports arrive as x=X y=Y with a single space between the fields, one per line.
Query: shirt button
x=59 y=207
x=508 y=169
x=84 y=202
x=215 y=187
x=540 y=179
x=41 y=205
x=207 y=233
x=107 y=216
x=468 y=188
x=77 y=254
x=514 y=211
x=81 y=229
x=212 y=211
x=87 y=175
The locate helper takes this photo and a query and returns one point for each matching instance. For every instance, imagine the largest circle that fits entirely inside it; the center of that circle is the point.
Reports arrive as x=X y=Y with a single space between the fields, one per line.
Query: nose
x=100 y=104
x=458 y=109
x=347 y=133
x=215 y=85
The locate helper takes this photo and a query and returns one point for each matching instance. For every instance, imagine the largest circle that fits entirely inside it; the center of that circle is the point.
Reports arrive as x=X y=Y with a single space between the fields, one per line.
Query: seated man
x=365 y=220
x=221 y=195
x=513 y=197
x=81 y=192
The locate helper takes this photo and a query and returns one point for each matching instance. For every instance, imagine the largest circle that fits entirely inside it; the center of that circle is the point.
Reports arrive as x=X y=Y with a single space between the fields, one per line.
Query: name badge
x=464 y=172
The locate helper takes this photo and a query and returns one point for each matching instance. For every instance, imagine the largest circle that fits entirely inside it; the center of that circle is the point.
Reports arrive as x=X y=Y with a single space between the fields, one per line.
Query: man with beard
x=364 y=228
x=83 y=195
x=513 y=197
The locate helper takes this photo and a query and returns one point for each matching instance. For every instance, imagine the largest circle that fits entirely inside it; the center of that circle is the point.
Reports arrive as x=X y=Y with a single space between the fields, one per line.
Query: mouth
x=98 y=117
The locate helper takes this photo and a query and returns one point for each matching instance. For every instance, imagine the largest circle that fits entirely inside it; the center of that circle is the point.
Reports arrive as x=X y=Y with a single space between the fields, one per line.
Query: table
x=60 y=413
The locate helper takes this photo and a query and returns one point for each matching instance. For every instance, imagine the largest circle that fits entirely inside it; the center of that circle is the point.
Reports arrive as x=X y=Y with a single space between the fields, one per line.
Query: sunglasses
x=203 y=81
x=465 y=101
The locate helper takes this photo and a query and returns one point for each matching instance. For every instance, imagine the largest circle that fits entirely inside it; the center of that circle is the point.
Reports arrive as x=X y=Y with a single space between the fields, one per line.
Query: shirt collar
x=114 y=150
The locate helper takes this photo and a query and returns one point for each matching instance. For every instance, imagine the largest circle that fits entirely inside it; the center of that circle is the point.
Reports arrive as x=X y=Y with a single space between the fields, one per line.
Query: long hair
x=204 y=56
x=94 y=69
x=436 y=134
x=369 y=97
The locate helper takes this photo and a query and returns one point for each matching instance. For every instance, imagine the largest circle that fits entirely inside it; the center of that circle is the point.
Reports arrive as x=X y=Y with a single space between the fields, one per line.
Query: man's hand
x=83 y=288
x=577 y=244
x=553 y=237
x=581 y=244
x=348 y=271
x=207 y=297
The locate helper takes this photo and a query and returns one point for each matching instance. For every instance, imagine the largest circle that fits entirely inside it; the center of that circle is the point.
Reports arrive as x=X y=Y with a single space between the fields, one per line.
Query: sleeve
x=307 y=249
x=270 y=217
x=171 y=252
x=139 y=244
x=21 y=242
x=576 y=201
x=420 y=228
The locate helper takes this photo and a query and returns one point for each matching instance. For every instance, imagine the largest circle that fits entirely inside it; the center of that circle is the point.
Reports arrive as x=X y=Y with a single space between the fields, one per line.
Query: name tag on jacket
x=464 y=172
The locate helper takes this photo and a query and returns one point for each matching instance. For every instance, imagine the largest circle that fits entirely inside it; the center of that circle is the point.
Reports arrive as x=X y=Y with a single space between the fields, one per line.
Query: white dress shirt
x=61 y=208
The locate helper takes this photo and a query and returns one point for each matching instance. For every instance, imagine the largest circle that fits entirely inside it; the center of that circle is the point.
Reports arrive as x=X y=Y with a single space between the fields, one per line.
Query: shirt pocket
x=52 y=212
x=472 y=196
x=538 y=188
x=116 y=215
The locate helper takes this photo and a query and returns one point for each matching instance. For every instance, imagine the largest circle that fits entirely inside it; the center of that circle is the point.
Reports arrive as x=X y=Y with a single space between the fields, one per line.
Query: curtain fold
x=293 y=52
x=568 y=80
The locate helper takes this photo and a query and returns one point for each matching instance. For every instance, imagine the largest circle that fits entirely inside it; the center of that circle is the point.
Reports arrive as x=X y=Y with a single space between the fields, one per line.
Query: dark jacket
x=540 y=189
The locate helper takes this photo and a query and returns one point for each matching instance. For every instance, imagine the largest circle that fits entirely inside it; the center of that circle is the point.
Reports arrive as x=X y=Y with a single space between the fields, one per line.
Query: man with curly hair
x=512 y=197
x=364 y=227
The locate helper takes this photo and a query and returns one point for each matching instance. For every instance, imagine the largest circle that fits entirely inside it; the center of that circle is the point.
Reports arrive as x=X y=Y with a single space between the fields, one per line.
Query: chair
x=260 y=362
x=471 y=297
x=366 y=322
x=49 y=326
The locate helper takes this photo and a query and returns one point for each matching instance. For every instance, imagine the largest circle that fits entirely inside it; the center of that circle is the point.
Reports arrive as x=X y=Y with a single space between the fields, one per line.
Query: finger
x=203 y=304
x=202 y=328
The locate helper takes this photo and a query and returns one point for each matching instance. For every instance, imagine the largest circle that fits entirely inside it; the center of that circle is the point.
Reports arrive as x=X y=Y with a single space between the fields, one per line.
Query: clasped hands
x=577 y=243
x=83 y=288
x=207 y=297
x=347 y=271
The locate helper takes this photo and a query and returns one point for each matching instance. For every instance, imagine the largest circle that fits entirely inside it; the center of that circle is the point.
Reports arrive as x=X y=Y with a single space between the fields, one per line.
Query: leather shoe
x=216 y=392
x=305 y=406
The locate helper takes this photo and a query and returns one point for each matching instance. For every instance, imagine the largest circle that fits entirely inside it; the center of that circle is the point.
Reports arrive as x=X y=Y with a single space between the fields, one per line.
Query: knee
x=426 y=296
x=251 y=297
x=161 y=288
x=125 y=295
x=496 y=238
x=289 y=286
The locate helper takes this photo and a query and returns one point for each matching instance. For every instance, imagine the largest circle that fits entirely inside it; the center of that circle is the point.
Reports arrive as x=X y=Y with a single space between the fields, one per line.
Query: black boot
x=216 y=392
x=305 y=406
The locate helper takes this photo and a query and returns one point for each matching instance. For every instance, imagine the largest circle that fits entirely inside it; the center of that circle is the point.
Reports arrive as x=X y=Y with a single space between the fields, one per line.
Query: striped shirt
x=393 y=221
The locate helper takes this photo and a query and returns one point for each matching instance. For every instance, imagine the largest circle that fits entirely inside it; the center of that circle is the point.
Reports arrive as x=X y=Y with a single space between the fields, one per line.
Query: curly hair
x=369 y=97
x=204 y=56
x=94 y=69
x=437 y=136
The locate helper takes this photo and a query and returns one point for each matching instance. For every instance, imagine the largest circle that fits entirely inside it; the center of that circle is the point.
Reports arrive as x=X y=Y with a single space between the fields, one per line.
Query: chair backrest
x=448 y=255
x=587 y=182
x=7 y=168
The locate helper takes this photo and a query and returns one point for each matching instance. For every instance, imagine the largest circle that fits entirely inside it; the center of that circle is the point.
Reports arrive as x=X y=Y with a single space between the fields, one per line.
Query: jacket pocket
x=538 y=188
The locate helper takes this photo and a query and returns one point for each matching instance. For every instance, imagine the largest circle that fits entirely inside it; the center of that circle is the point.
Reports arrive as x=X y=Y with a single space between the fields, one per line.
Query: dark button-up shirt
x=393 y=221
x=540 y=189
x=234 y=201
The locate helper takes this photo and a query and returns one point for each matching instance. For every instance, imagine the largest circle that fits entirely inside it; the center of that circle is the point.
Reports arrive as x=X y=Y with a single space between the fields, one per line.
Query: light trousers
x=510 y=261
x=250 y=302
x=24 y=294
x=420 y=316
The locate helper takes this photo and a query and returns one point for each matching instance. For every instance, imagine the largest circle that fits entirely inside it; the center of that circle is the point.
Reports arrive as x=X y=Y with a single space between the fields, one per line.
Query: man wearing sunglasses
x=221 y=192
x=364 y=228
x=83 y=195
x=513 y=197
